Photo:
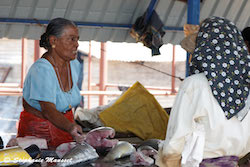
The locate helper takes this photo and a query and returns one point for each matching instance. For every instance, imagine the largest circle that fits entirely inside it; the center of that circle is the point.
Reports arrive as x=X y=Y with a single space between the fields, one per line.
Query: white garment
x=194 y=105
x=192 y=153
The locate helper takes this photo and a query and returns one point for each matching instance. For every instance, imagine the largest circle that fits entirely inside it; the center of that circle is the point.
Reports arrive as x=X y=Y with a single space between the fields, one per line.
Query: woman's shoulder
x=41 y=63
x=41 y=67
x=41 y=73
x=195 y=81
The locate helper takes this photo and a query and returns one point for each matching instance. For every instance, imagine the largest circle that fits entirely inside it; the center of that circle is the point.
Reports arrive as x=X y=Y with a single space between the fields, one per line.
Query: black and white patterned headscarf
x=222 y=55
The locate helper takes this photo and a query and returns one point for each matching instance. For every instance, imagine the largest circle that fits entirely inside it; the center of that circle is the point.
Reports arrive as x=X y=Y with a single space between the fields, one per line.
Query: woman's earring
x=53 y=46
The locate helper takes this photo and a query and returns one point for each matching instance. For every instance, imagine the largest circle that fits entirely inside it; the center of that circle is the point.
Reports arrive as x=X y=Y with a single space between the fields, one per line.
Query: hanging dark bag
x=149 y=33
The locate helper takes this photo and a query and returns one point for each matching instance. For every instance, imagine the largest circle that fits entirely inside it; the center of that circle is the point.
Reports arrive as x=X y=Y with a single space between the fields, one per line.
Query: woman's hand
x=56 y=118
x=77 y=134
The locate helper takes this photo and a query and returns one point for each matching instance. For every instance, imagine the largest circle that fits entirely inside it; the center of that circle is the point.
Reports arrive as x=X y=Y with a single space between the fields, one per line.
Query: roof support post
x=24 y=59
x=150 y=9
x=193 y=17
x=173 y=91
x=89 y=74
x=103 y=73
x=36 y=50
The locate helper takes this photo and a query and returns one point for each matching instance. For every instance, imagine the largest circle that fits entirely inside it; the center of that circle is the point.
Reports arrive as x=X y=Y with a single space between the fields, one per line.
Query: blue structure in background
x=193 y=17
x=80 y=56
x=150 y=9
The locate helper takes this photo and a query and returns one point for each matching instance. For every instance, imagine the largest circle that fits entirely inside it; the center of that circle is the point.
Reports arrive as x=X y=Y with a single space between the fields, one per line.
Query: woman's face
x=67 y=44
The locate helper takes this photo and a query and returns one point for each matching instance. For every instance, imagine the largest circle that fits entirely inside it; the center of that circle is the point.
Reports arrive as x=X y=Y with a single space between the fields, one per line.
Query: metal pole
x=103 y=73
x=89 y=74
x=193 y=16
x=36 y=50
x=173 y=91
x=24 y=55
x=79 y=24
x=150 y=9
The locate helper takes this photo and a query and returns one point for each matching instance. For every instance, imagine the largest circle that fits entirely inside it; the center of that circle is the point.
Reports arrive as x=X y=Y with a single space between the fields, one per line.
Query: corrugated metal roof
x=132 y=52
x=123 y=12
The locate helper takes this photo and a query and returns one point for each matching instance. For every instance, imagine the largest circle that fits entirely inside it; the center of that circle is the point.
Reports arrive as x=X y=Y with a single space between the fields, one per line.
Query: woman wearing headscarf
x=209 y=118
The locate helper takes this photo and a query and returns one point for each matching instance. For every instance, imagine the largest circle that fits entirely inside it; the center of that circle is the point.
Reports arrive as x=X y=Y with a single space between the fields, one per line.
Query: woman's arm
x=32 y=110
x=50 y=113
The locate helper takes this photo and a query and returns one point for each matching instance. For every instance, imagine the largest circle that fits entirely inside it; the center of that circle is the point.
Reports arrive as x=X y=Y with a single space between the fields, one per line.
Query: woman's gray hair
x=55 y=28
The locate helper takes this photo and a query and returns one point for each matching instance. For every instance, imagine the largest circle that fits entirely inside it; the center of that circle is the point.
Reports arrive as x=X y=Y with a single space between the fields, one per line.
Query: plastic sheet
x=138 y=112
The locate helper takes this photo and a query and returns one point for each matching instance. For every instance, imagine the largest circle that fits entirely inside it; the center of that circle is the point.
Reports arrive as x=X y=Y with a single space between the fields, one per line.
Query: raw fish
x=152 y=143
x=143 y=156
x=100 y=137
x=122 y=149
x=81 y=153
x=62 y=149
x=138 y=158
x=148 y=150
x=26 y=141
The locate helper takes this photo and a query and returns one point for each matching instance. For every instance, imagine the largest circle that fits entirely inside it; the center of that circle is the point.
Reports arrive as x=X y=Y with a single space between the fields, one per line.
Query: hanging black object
x=1 y=143
x=149 y=33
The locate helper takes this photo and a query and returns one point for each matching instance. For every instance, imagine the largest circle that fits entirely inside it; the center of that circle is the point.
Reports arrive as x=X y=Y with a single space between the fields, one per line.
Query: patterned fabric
x=222 y=56
x=226 y=161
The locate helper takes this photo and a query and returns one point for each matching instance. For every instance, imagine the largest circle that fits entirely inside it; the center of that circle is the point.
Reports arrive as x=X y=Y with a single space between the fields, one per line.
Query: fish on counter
x=154 y=143
x=145 y=155
x=138 y=158
x=81 y=153
x=120 y=150
x=101 y=137
x=148 y=151
x=63 y=148
x=26 y=141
